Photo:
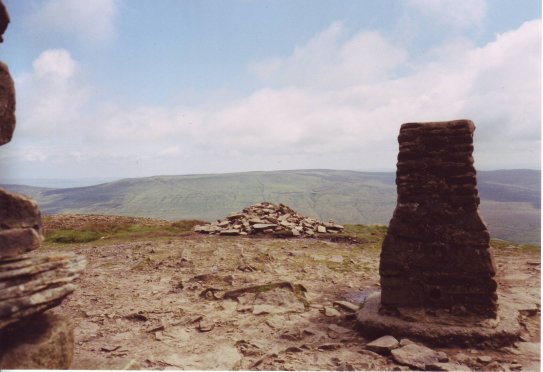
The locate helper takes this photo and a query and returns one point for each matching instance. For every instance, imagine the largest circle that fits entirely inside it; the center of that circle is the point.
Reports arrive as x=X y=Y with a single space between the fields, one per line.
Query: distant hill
x=510 y=204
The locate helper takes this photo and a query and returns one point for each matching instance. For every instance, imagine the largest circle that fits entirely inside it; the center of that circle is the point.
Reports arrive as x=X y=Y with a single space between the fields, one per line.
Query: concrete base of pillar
x=438 y=327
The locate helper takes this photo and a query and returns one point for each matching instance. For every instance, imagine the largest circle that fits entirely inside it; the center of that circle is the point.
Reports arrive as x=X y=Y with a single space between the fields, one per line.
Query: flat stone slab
x=417 y=356
x=383 y=345
x=440 y=329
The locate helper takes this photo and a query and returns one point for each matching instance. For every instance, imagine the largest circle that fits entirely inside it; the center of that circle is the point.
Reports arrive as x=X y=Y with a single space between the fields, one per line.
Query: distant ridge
x=511 y=199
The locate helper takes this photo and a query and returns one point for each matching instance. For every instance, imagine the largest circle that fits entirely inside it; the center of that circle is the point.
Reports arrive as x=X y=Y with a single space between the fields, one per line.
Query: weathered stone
x=17 y=211
x=100 y=363
x=383 y=345
x=230 y=232
x=447 y=367
x=44 y=341
x=436 y=253
x=416 y=356
x=223 y=357
x=4 y=20
x=330 y=311
x=31 y=284
x=442 y=328
x=346 y=306
x=277 y=301
x=485 y=359
x=14 y=242
x=7 y=104
x=263 y=226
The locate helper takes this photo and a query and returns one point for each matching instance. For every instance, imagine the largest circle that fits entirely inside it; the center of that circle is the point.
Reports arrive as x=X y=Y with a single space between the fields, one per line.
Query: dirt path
x=139 y=305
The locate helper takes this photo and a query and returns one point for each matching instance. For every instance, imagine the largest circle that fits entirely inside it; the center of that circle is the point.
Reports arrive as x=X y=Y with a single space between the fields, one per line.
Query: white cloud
x=170 y=151
x=51 y=98
x=334 y=59
x=456 y=13
x=55 y=64
x=497 y=86
x=89 y=21
x=305 y=119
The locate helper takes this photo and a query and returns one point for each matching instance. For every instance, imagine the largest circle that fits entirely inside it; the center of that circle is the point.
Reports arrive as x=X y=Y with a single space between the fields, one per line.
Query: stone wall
x=436 y=253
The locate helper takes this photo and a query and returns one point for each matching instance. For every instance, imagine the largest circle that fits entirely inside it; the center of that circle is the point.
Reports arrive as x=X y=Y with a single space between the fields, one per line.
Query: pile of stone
x=268 y=218
x=30 y=284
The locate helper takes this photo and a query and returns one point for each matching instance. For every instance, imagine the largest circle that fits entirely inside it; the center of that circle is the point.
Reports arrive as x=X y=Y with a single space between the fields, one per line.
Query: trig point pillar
x=437 y=269
x=436 y=253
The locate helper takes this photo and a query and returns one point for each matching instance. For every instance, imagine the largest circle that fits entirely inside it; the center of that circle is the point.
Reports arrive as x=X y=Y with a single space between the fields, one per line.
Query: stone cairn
x=268 y=218
x=29 y=283
x=436 y=253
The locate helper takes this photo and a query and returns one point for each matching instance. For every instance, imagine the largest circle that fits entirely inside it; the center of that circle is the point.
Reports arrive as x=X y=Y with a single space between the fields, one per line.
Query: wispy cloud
x=334 y=59
x=89 y=21
x=456 y=13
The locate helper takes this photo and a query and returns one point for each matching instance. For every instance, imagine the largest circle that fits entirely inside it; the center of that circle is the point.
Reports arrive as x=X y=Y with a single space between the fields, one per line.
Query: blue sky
x=118 y=88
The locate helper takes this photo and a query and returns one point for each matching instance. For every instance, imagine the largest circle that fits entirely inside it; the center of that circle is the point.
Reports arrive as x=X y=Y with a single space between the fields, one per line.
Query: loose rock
x=383 y=345
x=485 y=359
x=417 y=356
x=447 y=367
x=330 y=311
x=345 y=305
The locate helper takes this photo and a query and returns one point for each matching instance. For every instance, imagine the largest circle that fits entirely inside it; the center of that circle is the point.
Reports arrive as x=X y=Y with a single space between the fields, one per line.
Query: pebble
x=330 y=311
x=346 y=305
x=485 y=359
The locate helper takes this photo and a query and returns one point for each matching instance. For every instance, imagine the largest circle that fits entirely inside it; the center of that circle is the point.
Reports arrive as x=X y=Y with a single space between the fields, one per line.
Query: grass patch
x=503 y=244
x=72 y=236
x=70 y=229
x=371 y=233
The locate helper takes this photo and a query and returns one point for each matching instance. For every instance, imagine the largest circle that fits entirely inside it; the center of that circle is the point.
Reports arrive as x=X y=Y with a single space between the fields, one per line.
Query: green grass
x=503 y=244
x=93 y=232
x=72 y=236
x=371 y=233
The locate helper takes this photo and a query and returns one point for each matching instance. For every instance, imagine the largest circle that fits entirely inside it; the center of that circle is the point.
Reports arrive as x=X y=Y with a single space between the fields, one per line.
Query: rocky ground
x=191 y=301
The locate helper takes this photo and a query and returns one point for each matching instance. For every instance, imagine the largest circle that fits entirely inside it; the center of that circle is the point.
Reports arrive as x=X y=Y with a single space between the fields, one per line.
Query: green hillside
x=510 y=199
